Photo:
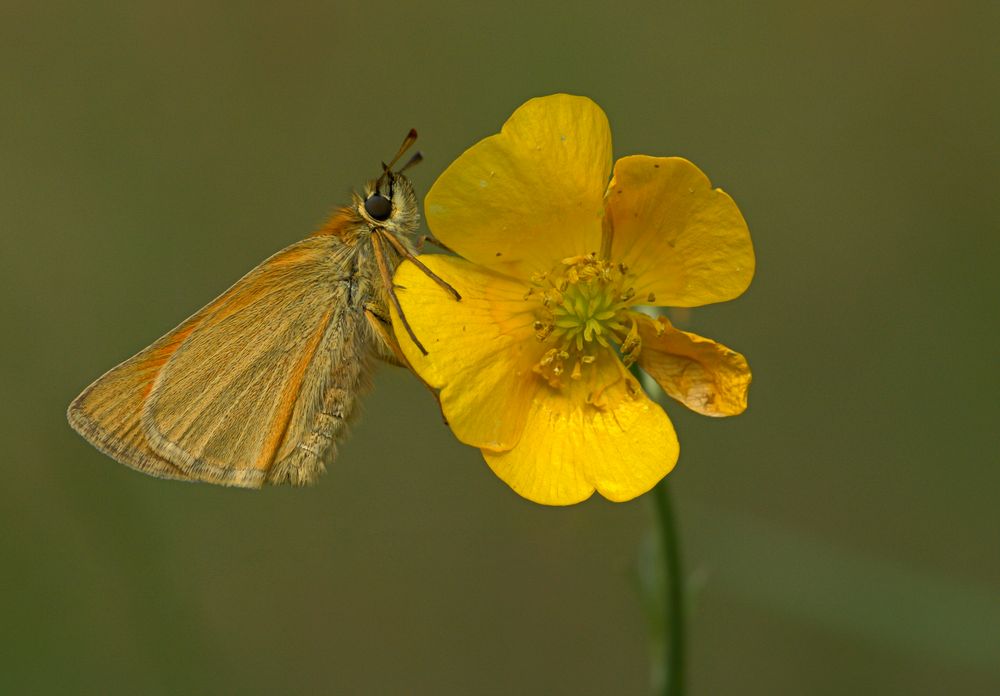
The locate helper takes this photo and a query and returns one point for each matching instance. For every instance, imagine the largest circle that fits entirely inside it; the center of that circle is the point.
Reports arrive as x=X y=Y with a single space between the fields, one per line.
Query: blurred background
x=841 y=537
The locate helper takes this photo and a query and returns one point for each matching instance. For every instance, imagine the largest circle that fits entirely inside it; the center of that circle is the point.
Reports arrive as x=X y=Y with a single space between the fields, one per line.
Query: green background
x=841 y=537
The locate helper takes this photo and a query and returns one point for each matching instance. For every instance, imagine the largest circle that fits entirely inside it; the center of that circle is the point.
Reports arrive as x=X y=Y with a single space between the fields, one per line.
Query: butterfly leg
x=433 y=240
x=405 y=253
x=394 y=356
x=389 y=349
x=382 y=259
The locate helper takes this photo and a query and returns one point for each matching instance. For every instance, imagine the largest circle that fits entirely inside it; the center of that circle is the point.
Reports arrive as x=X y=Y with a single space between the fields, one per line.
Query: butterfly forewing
x=244 y=383
x=108 y=412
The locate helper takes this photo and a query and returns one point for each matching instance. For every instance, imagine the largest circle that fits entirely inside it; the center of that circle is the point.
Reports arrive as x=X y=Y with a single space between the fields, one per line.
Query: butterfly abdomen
x=345 y=361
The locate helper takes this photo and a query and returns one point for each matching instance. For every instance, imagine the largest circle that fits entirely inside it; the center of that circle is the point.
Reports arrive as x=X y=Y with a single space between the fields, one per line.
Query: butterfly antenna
x=408 y=141
x=410 y=138
x=417 y=158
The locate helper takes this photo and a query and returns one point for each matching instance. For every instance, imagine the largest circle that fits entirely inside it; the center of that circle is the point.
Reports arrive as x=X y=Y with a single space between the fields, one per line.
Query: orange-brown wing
x=239 y=386
x=107 y=413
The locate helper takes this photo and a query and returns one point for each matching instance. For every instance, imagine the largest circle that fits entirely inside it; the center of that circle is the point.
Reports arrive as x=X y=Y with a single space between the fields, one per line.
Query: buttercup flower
x=532 y=362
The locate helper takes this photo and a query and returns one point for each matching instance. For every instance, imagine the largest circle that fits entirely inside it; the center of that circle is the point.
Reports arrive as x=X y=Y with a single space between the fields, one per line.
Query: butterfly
x=259 y=385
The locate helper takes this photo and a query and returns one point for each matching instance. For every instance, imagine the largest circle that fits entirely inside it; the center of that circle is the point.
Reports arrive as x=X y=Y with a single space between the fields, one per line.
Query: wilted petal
x=703 y=375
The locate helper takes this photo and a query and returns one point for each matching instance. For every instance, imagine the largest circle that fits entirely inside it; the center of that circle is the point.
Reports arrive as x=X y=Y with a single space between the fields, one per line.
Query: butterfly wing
x=107 y=413
x=254 y=388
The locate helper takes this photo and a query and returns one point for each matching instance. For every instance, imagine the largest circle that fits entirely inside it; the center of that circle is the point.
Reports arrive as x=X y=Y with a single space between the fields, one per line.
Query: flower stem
x=674 y=654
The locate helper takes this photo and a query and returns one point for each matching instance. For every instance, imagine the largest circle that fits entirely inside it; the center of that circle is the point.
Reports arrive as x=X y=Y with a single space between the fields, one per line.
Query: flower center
x=583 y=311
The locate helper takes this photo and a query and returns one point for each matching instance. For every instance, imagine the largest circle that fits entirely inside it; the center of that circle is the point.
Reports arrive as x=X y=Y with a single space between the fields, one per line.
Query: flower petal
x=524 y=199
x=480 y=348
x=703 y=375
x=687 y=242
x=569 y=447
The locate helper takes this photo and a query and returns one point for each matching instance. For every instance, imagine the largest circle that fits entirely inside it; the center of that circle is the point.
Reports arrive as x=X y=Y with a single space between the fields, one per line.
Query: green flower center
x=584 y=313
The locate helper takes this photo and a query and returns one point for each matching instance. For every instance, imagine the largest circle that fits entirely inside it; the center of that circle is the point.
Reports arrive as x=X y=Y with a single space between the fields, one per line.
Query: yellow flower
x=532 y=362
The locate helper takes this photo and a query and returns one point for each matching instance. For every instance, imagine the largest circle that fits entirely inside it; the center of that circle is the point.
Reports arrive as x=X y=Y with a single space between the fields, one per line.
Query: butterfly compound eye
x=378 y=206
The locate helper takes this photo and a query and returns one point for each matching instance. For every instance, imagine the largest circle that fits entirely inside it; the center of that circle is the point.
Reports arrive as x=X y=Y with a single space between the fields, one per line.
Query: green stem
x=673 y=682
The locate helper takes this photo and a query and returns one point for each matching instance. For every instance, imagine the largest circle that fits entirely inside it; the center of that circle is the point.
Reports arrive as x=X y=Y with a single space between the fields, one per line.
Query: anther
x=542 y=330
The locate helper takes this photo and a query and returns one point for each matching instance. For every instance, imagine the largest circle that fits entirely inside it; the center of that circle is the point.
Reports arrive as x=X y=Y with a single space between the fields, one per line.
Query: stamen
x=542 y=330
x=631 y=345
x=582 y=307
